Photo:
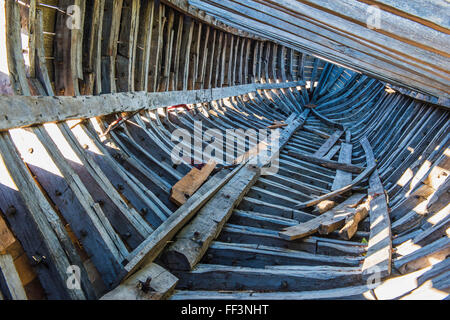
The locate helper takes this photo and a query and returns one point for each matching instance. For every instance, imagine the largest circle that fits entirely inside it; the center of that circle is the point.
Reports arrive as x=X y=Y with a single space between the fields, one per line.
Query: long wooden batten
x=345 y=195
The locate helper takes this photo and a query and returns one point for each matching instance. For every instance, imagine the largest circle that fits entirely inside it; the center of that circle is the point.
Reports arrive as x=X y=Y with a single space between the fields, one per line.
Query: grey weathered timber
x=32 y=110
x=9 y=273
x=342 y=190
x=340 y=166
x=343 y=177
x=379 y=253
x=192 y=242
x=338 y=293
x=313 y=225
x=323 y=150
x=213 y=277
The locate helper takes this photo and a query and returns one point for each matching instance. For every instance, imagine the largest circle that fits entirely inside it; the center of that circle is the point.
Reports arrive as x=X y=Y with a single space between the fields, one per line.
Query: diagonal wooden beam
x=337 y=192
x=342 y=166
x=328 y=144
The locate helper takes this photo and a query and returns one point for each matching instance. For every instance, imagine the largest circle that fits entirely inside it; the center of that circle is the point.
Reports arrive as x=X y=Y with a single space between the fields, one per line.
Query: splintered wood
x=186 y=187
x=327 y=222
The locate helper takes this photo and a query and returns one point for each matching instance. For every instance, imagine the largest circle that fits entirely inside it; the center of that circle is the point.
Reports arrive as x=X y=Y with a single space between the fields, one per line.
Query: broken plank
x=341 y=165
x=351 y=223
x=186 y=187
x=337 y=192
x=305 y=229
x=329 y=143
x=339 y=220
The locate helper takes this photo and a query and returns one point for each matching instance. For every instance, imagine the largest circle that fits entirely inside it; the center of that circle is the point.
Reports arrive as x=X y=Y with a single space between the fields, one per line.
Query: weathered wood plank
x=343 y=177
x=340 y=166
x=339 y=293
x=193 y=241
x=337 y=192
x=313 y=225
x=37 y=109
x=214 y=277
x=329 y=143
x=378 y=260
x=186 y=187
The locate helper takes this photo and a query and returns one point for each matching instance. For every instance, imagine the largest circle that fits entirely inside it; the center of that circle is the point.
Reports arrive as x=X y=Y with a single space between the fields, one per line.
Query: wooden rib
x=132 y=43
x=11 y=277
x=145 y=39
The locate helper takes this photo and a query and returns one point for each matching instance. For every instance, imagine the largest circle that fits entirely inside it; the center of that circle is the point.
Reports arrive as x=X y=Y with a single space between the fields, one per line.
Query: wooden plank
x=43 y=215
x=186 y=187
x=193 y=241
x=328 y=144
x=337 y=192
x=9 y=272
x=305 y=229
x=215 y=277
x=378 y=260
x=155 y=243
x=152 y=282
x=340 y=165
x=339 y=293
x=38 y=109
x=342 y=177
x=261 y=256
